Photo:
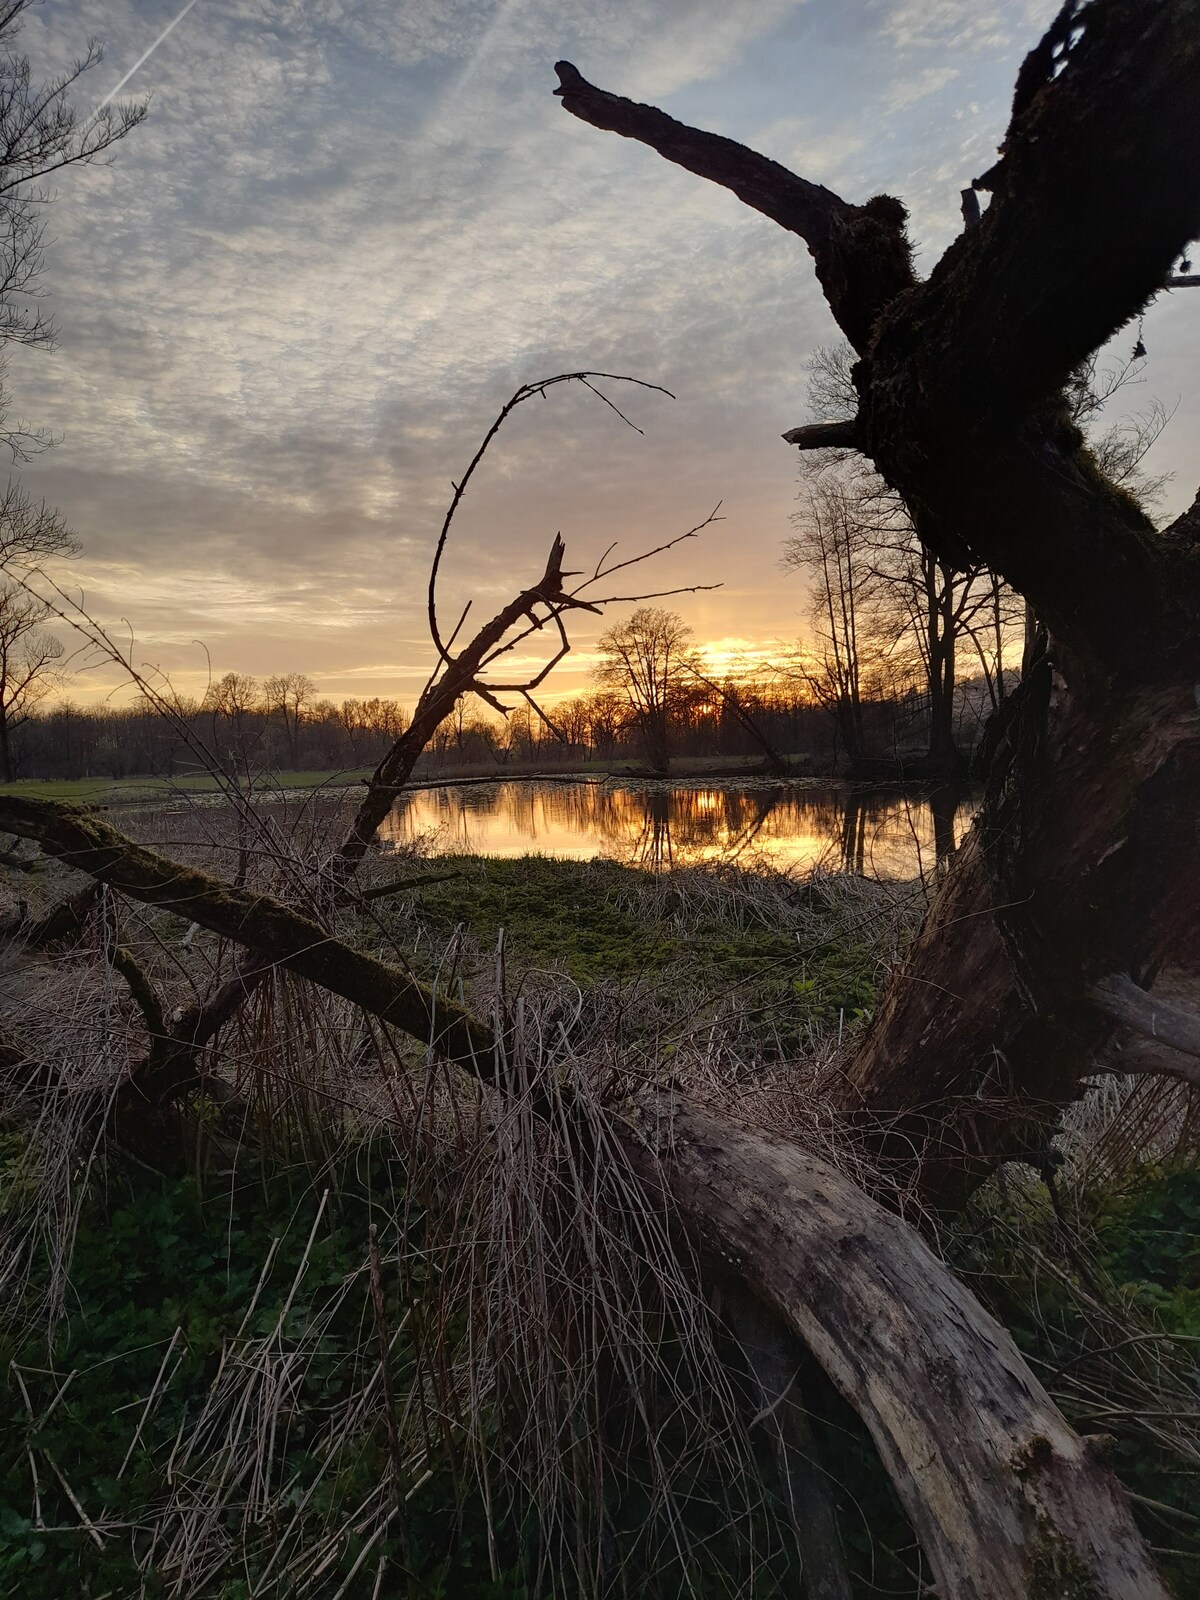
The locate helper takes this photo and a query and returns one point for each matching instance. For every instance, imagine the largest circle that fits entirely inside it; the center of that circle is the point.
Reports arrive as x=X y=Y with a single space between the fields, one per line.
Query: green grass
x=1125 y=1297
x=156 y=1256
x=124 y=791
x=603 y=923
x=116 y=791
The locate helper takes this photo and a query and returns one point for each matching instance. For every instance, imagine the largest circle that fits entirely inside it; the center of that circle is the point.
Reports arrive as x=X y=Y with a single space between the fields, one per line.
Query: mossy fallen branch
x=281 y=936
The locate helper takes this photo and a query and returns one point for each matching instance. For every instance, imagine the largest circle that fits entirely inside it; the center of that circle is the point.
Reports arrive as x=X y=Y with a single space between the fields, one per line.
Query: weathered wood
x=771 y=1352
x=1083 y=860
x=65 y=920
x=842 y=435
x=1149 y=1015
x=1007 y=1502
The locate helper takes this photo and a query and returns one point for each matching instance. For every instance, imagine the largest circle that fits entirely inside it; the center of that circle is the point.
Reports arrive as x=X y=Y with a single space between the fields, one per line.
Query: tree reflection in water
x=884 y=833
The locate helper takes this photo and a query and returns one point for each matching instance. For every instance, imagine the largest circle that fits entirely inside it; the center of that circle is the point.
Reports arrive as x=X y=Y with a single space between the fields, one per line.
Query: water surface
x=883 y=832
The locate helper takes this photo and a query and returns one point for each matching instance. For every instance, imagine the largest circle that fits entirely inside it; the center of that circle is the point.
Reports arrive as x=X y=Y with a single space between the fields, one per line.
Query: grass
x=118 y=791
x=771 y=961
x=169 y=1285
x=210 y=1397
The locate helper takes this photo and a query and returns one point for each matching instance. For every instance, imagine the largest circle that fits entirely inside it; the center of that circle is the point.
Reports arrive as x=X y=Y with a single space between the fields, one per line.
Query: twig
x=93 y=1532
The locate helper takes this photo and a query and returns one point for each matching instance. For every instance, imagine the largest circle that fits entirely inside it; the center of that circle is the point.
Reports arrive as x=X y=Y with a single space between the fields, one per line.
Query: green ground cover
x=1089 y=1290
x=116 y=791
x=681 y=948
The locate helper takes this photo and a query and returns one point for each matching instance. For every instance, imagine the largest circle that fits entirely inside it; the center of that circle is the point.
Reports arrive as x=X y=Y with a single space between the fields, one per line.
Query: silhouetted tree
x=648 y=662
x=29 y=657
x=41 y=132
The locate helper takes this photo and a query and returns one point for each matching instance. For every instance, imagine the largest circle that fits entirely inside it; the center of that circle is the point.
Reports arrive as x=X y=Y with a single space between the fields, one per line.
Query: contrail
x=446 y=101
x=145 y=56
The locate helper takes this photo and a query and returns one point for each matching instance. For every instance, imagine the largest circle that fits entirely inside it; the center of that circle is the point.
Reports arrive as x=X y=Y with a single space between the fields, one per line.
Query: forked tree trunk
x=1085 y=859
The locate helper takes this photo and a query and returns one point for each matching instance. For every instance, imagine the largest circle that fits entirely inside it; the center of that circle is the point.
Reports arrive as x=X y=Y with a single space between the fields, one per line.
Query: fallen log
x=1008 y=1502
x=278 y=935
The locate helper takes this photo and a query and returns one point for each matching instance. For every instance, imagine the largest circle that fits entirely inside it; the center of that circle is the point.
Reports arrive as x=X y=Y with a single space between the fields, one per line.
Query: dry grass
x=562 y=1344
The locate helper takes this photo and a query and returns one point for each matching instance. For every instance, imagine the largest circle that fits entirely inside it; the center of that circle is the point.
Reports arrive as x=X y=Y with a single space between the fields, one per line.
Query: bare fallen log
x=1152 y=1017
x=1006 y=1500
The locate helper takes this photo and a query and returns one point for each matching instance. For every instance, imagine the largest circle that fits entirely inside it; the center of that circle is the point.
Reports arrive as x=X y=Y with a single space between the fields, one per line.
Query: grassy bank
x=117 y=791
x=127 y=791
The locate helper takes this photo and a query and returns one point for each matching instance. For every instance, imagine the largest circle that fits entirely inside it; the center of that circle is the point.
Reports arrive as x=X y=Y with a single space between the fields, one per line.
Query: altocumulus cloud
x=292 y=305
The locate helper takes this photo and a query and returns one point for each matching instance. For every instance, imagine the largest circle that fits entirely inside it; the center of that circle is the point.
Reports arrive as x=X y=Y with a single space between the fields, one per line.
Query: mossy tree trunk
x=1085 y=857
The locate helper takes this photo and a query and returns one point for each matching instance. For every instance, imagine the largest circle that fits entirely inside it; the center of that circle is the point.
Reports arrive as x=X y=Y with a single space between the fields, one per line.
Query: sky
x=294 y=302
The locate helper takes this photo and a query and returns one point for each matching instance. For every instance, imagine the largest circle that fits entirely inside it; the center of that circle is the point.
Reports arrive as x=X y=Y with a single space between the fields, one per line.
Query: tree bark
x=1007 y=1502
x=1084 y=858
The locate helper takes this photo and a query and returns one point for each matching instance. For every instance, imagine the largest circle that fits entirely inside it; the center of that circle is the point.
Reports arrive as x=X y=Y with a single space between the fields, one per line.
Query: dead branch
x=825 y=435
x=1162 y=1021
x=379 y=891
x=525 y=392
x=143 y=992
x=275 y=933
x=1133 y=1055
x=63 y=921
x=861 y=253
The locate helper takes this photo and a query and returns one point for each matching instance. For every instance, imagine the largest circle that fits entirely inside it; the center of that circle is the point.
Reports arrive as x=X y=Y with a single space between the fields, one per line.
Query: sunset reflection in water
x=884 y=833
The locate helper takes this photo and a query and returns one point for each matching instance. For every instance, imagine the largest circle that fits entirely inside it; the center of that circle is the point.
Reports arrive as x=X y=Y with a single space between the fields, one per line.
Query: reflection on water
x=884 y=833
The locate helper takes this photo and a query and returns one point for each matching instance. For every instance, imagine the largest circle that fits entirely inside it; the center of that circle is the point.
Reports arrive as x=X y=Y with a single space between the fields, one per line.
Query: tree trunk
x=945 y=759
x=1084 y=859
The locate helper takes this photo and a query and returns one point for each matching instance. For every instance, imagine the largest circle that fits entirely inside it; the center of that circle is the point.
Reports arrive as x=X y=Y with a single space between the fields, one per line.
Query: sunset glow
x=289 y=312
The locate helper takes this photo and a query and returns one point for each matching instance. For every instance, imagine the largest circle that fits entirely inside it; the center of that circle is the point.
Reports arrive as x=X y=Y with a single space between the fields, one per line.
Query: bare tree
x=29 y=664
x=831 y=544
x=879 y=592
x=648 y=661
x=31 y=531
x=288 y=693
x=235 y=698
x=41 y=133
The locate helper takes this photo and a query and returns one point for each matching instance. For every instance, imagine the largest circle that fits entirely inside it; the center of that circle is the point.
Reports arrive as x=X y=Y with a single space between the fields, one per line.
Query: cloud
x=294 y=302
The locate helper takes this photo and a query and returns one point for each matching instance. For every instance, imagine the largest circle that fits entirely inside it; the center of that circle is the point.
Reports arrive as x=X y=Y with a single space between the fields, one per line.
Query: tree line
x=644 y=711
x=909 y=652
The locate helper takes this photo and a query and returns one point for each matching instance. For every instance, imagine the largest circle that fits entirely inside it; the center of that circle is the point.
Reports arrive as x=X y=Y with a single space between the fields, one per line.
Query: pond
x=881 y=832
